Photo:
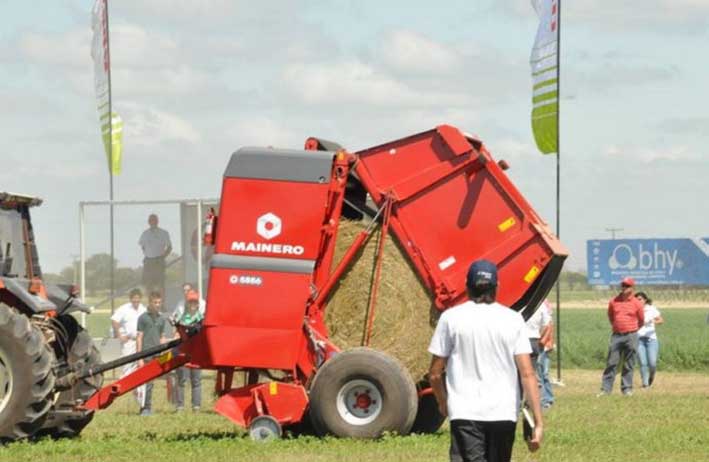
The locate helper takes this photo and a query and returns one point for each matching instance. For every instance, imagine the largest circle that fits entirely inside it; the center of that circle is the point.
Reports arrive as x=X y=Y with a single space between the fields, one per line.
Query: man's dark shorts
x=474 y=441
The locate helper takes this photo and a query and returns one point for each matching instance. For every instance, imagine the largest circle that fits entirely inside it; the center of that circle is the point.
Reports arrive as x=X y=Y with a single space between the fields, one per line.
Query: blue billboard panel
x=648 y=261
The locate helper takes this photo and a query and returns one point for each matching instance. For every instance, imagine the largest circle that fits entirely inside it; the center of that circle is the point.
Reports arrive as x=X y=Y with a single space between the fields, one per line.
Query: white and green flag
x=111 y=132
x=545 y=72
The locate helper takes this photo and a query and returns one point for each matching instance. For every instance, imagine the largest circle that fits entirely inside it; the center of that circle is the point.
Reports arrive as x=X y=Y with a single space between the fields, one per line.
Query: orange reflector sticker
x=531 y=274
x=273 y=388
x=165 y=357
x=507 y=224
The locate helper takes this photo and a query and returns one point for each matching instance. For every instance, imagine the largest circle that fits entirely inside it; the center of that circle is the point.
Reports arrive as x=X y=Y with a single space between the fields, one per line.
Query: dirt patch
x=587 y=382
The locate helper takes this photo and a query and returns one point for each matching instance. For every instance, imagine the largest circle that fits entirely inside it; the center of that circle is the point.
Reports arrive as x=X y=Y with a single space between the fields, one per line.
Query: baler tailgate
x=452 y=204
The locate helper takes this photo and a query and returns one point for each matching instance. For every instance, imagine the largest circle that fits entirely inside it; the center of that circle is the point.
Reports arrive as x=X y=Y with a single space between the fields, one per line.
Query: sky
x=196 y=80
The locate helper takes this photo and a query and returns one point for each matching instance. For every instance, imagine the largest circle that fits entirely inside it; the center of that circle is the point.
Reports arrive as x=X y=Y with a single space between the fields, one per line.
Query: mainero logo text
x=262 y=247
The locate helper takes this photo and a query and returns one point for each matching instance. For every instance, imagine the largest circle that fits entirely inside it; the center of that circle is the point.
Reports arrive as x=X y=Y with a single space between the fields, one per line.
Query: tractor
x=41 y=342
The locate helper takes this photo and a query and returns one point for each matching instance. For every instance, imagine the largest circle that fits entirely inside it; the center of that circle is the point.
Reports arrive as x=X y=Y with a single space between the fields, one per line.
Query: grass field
x=667 y=423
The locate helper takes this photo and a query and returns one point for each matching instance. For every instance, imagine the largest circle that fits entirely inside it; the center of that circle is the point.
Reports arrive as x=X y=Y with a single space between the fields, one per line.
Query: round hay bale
x=404 y=312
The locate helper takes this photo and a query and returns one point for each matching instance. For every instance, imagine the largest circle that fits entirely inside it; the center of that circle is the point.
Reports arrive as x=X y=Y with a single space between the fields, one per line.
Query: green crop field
x=684 y=338
x=667 y=423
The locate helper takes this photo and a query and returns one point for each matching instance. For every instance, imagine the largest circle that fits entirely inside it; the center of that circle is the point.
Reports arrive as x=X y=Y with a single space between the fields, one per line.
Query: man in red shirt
x=626 y=315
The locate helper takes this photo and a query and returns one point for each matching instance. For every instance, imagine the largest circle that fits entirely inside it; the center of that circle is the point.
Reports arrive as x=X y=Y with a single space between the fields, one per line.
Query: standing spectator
x=156 y=246
x=190 y=316
x=153 y=329
x=481 y=346
x=626 y=316
x=535 y=324
x=180 y=307
x=125 y=328
x=546 y=343
x=538 y=328
x=648 y=346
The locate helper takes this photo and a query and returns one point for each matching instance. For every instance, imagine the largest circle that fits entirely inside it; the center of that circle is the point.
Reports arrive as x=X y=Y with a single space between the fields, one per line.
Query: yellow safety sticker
x=165 y=357
x=531 y=274
x=507 y=224
x=273 y=388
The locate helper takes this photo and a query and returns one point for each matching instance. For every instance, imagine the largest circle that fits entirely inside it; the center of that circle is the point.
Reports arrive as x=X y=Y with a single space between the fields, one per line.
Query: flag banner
x=545 y=67
x=111 y=134
x=113 y=141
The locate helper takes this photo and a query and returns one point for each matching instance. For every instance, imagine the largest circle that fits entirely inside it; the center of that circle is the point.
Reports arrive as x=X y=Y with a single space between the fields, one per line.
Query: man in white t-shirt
x=480 y=346
x=536 y=324
x=156 y=246
x=125 y=328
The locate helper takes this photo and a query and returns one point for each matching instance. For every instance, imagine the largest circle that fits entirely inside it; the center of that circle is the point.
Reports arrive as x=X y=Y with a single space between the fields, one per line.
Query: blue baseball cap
x=481 y=273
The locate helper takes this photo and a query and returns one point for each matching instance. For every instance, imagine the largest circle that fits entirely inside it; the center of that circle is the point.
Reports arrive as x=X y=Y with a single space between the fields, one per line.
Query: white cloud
x=648 y=154
x=678 y=16
x=146 y=126
x=408 y=51
x=134 y=47
x=261 y=130
x=350 y=81
x=63 y=50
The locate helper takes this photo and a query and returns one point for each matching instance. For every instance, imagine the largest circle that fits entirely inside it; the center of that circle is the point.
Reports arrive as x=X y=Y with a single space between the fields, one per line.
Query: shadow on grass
x=182 y=437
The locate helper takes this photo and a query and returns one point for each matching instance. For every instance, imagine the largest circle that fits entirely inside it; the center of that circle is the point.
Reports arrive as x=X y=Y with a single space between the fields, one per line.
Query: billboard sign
x=648 y=261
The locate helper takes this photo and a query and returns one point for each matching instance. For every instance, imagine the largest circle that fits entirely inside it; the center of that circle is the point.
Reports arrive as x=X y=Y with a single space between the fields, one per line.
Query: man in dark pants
x=153 y=329
x=156 y=246
x=626 y=315
x=481 y=346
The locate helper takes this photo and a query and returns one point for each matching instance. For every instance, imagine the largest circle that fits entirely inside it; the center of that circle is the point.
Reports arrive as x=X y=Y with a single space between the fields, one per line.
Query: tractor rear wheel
x=82 y=354
x=26 y=376
x=362 y=393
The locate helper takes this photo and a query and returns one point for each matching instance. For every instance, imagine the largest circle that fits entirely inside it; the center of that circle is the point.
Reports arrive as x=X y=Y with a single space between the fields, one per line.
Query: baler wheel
x=26 y=376
x=362 y=393
x=265 y=428
x=83 y=354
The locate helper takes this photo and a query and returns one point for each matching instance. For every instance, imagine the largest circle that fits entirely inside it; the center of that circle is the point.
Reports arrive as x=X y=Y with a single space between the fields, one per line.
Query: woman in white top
x=648 y=345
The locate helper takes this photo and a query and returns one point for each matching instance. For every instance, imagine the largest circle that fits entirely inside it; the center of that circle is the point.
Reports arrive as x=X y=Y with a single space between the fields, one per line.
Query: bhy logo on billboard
x=651 y=258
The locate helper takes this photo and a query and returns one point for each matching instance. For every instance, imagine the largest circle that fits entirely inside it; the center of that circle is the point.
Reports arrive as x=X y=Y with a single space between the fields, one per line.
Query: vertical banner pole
x=558 y=188
x=110 y=161
x=82 y=261
x=199 y=249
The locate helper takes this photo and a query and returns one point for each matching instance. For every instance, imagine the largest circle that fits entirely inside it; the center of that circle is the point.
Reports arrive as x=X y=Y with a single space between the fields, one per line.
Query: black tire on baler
x=82 y=354
x=390 y=391
x=27 y=376
x=428 y=419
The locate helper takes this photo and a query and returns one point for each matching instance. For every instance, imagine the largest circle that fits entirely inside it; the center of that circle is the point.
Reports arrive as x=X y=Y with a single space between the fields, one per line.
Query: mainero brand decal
x=263 y=247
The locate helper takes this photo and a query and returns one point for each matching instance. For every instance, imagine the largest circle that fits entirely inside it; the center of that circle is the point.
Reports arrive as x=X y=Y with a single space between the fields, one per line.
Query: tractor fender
x=19 y=288
x=59 y=294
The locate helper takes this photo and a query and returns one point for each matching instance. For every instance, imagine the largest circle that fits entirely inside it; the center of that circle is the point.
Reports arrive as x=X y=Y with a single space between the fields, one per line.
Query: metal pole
x=558 y=187
x=82 y=262
x=110 y=160
x=199 y=249
x=613 y=231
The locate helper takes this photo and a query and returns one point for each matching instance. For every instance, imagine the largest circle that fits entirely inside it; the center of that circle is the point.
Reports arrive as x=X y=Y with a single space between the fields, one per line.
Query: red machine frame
x=529 y=255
